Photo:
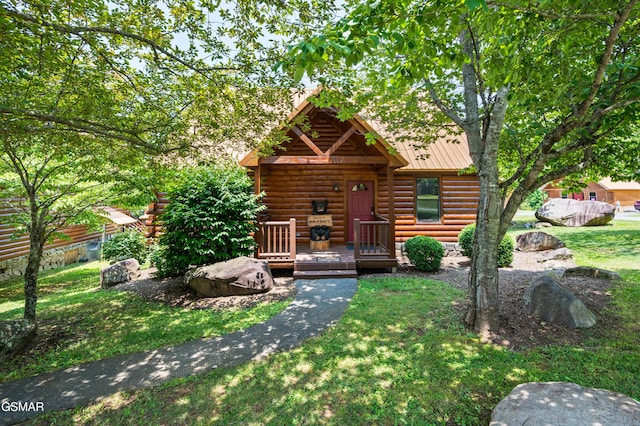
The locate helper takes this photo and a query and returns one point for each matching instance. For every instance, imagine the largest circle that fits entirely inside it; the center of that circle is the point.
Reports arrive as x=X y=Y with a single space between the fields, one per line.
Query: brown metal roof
x=441 y=155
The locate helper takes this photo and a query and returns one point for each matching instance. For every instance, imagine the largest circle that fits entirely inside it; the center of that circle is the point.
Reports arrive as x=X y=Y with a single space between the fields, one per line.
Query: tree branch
x=545 y=14
x=85 y=126
x=78 y=30
x=442 y=107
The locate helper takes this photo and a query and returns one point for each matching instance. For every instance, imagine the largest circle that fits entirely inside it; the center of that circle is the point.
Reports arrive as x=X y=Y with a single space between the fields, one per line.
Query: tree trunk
x=483 y=312
x=31 y=275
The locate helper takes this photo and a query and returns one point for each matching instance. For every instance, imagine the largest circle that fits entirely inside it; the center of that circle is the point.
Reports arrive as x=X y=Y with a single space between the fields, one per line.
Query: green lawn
x=399 y=356
x=86 y=323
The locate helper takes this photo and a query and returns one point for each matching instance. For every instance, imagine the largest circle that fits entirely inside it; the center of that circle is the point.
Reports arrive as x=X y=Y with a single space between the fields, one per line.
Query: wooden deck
x=372 y=248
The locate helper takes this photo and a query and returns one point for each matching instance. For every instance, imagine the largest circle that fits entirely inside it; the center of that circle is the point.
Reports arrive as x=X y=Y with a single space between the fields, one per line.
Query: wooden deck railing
x=277 y=240
x=372 y=238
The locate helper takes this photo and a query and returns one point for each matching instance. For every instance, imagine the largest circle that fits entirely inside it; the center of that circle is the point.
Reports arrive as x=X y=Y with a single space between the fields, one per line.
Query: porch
x=373 y=247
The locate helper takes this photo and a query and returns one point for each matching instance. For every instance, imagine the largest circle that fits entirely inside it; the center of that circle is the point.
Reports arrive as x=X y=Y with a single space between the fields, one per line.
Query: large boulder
x=537 y=241
x=236 y=277
x=14 y=335
x=546 y=299
x=119 y=272
x=568 y=212
x=567 y=404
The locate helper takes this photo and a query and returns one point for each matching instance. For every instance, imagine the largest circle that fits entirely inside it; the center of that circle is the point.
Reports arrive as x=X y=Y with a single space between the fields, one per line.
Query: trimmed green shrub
x=505 y=249
x=211 y=215
x=126 y=245
x=465 y=239
x=536 y=199
x=425 y=253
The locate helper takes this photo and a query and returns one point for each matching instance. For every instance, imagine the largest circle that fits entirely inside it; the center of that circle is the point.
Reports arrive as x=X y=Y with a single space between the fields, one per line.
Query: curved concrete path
x=318 y=305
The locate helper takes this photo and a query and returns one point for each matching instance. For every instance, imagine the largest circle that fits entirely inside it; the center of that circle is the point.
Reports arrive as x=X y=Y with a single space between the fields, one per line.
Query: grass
x=399 y=356
x=97 y=324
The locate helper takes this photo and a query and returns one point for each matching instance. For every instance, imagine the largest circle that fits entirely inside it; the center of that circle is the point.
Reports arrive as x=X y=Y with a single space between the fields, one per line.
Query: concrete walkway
x=318 y=305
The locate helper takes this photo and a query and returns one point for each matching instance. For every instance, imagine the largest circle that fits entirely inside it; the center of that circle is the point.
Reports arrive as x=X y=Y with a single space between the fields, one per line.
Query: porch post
x=392 y=213
x=292 y=238
x=258 y=236
x=257 y=175
x=356 y=238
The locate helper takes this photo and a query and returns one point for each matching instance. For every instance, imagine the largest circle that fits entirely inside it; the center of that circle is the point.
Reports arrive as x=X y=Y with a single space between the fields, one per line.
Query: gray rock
x=587 y=271
x=14 y=335
x=539 y=225
x=568 y=212
x=557 y=254
x=567 y=404
x=119 y=272
x=236 y=277
x=537 y=241
x=546 y=299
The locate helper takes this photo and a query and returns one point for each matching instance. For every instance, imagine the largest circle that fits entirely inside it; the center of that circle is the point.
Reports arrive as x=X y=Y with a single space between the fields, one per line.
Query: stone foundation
x=51 y=259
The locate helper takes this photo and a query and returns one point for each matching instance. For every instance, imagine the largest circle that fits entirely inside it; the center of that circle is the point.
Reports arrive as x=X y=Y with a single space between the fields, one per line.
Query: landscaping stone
x=540 y=225
x=567 y=404
x=557 y=254
x=568 y=212
x=549 y=301
x=14 y=335
x=537 y=241
x=235 y=277
x=119 y=272
x=586 y=271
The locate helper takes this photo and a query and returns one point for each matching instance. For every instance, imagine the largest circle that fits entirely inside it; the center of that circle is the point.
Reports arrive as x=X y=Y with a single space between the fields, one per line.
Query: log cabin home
x=79 y=242
x=378 y=195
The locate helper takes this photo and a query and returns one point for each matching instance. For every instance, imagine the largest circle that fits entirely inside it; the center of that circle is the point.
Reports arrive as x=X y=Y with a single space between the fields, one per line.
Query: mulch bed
x=519 y=330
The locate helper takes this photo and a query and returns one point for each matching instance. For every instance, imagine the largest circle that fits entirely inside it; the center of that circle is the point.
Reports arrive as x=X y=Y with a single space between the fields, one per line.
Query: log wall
x=458 y=204
x=15 y=247
x=290 y=189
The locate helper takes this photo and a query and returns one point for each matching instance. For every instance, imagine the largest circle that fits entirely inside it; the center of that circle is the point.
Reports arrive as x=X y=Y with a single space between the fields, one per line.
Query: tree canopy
x=97 y=96
x=541 y=91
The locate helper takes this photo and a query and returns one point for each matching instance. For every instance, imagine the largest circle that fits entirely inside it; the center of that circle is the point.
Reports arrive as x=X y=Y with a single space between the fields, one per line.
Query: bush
x=126 y=245
x=210 y=218
x=505 y=249
x=505 y=252
x=536 y=199
x=425 y=253
x=465 y=239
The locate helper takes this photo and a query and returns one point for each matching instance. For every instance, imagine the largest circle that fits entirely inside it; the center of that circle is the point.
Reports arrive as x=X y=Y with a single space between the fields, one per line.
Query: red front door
x=359 y=203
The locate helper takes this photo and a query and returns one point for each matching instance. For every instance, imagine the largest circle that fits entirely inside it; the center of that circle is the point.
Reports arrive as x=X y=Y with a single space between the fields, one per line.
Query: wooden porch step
x=316 y=275
x=323 y=266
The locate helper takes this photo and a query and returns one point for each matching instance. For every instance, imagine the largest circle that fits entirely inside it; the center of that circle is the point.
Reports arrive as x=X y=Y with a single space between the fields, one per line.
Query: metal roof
x=440 y=154
x=117 y=217
x=608 y=184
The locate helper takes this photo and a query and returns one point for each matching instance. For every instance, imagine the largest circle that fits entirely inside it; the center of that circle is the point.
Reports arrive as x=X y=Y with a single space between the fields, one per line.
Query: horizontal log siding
x=458 y=205
x=290 y=190
x=11 y=248
x=153 y=222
